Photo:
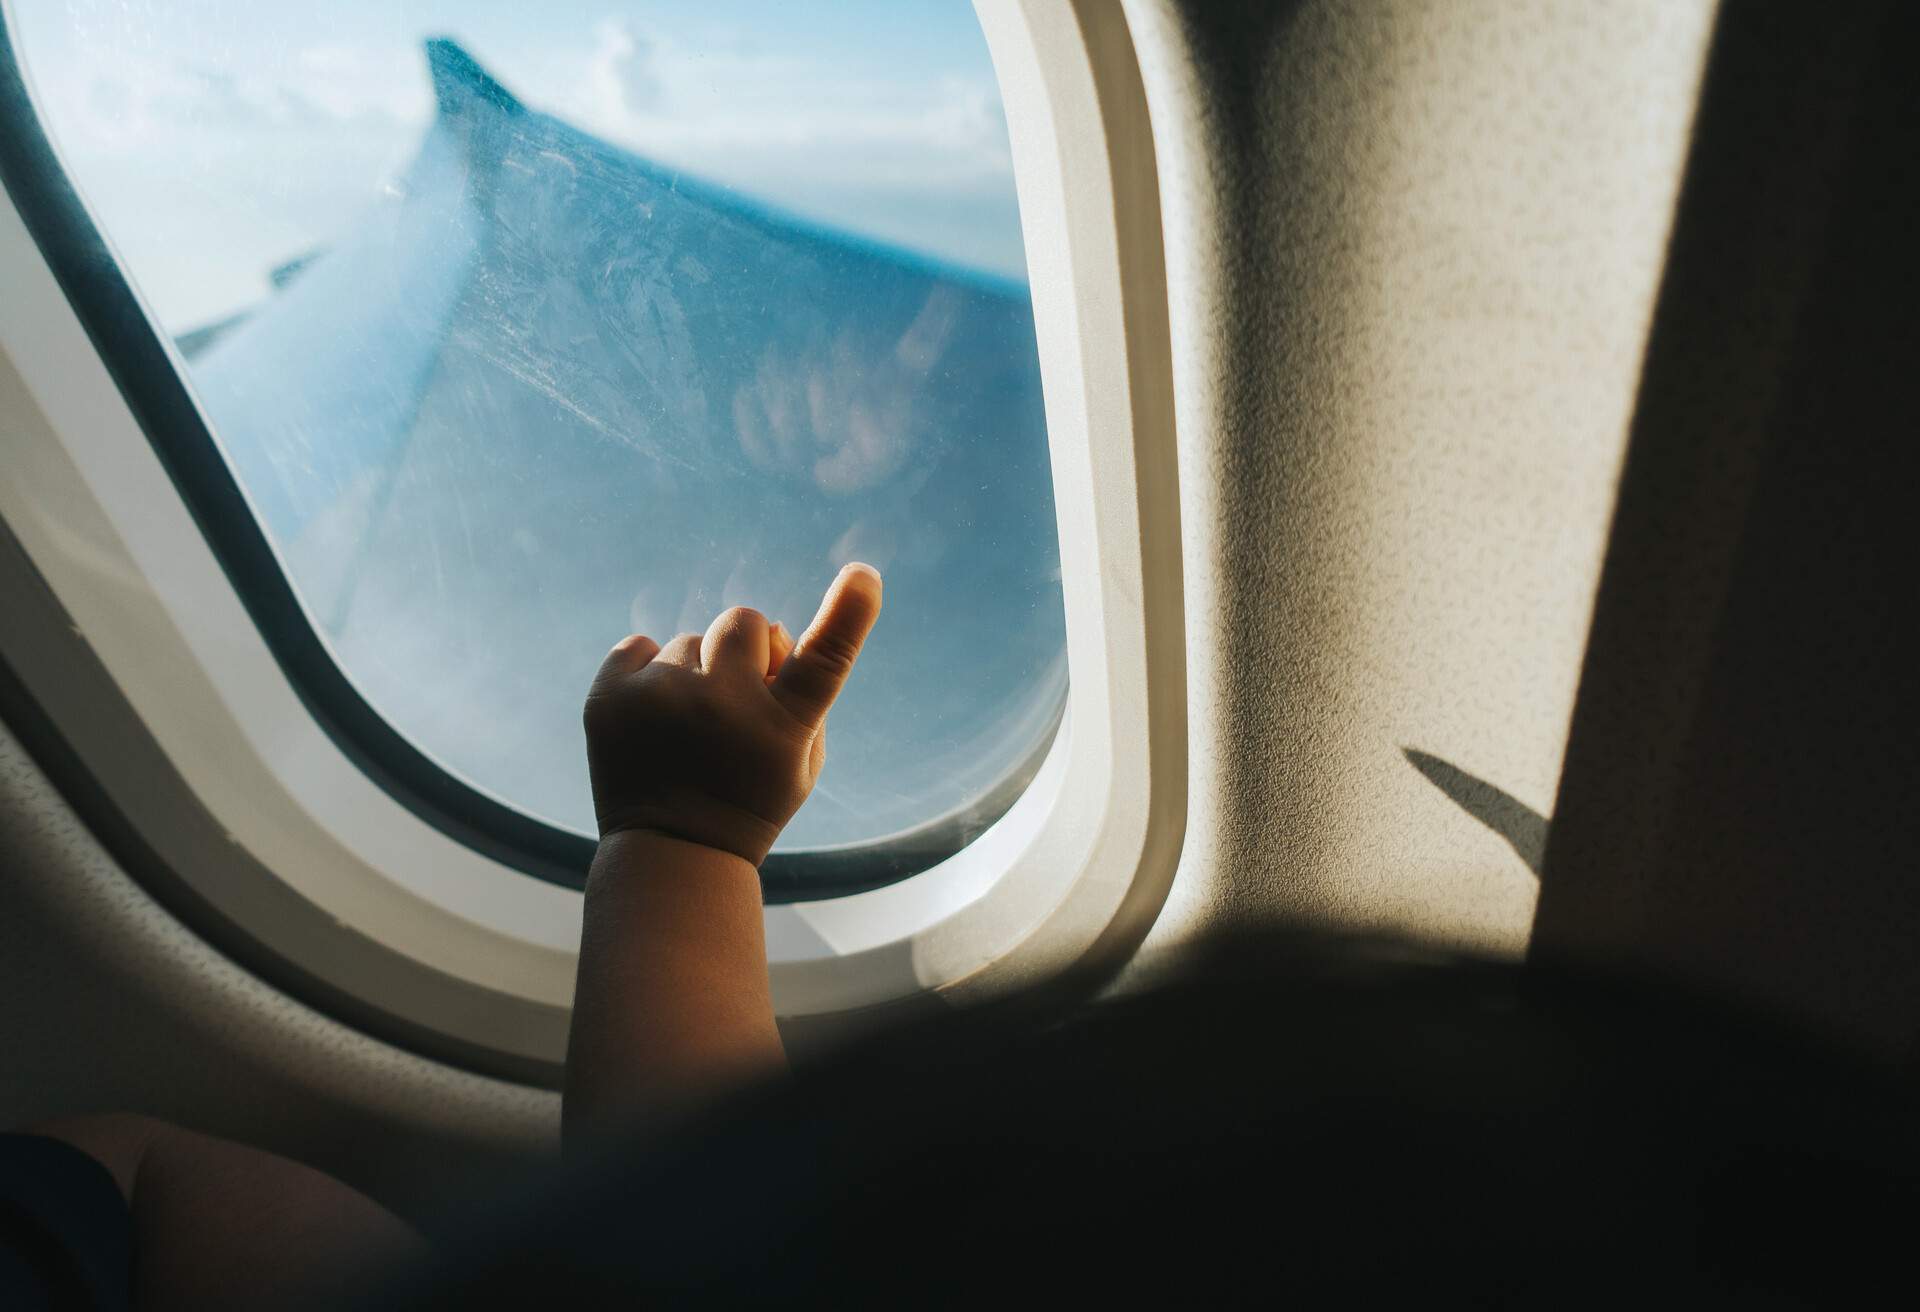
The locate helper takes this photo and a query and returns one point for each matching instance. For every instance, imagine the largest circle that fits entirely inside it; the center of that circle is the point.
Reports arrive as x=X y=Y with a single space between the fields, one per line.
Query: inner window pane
x=524 y=326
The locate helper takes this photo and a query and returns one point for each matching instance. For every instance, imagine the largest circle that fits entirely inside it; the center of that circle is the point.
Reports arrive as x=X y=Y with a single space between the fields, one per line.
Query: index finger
x=822 y=657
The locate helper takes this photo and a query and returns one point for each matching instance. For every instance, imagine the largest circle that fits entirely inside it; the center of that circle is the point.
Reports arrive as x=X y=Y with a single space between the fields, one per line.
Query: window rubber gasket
x=137 y=360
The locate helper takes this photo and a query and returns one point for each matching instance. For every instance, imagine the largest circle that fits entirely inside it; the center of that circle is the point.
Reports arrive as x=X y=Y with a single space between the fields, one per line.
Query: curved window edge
x=156 y=828
x=1082 y=873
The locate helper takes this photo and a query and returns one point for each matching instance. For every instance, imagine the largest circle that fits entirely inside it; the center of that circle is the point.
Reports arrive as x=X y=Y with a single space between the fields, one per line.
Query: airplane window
x=524 y=326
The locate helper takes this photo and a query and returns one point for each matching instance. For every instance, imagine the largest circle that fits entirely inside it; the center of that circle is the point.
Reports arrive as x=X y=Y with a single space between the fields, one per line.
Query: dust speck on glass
x=527 y=325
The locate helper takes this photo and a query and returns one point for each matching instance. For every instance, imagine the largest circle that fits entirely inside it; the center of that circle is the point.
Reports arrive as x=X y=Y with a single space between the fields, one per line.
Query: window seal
x=43 y=716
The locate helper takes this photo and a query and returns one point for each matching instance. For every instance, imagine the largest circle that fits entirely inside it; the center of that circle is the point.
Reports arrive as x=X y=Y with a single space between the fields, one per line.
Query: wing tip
x=461 y=85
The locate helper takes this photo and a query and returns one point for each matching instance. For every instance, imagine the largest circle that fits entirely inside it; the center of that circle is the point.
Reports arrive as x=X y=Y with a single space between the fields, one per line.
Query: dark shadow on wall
x=1523 y=828
x=1737 y=804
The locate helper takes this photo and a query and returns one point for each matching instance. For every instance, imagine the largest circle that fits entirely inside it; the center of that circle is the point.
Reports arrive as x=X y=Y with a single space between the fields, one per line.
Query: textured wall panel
x=1413 y=250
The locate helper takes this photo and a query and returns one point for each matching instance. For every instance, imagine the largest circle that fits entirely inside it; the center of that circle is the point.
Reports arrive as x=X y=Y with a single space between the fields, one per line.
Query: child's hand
x=700 y=752
x=718 y=738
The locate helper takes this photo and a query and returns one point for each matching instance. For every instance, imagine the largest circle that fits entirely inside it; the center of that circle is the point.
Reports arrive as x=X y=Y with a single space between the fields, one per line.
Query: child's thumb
x=811 y=677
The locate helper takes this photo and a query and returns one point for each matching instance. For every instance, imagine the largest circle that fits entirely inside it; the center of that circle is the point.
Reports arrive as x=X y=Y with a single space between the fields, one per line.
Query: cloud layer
x=212 y=158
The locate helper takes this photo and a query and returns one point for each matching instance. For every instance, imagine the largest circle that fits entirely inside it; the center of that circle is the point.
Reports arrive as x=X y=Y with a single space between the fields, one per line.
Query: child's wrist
x=699 y=818
x=652 y=847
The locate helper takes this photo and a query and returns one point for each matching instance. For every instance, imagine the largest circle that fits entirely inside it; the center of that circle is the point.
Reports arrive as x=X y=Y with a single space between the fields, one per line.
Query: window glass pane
x=524 y=325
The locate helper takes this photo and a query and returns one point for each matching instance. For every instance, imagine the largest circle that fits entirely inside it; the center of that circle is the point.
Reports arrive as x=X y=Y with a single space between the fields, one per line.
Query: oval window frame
x=372 y=894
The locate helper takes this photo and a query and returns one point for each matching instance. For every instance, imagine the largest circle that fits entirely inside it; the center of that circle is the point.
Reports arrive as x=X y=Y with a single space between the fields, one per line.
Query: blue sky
x=217 y=138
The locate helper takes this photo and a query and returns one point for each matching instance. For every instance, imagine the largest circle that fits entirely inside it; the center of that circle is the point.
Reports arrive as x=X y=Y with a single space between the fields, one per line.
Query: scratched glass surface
x=594 y=318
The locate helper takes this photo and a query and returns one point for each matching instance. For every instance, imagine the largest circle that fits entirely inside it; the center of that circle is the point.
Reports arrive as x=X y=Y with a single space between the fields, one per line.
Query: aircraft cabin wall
x=1412 y=253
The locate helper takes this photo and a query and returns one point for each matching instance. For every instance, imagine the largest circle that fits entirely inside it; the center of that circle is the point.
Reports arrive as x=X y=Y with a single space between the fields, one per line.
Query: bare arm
x=700 y=752
x=672 y=997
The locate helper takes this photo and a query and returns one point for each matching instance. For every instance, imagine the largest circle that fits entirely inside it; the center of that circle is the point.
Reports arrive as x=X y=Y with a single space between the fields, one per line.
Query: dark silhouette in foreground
x=1293 y=1113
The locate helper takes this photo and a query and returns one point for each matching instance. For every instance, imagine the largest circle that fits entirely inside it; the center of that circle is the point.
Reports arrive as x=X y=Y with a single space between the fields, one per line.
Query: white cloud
x=353 y=82
x=620 y=71
x=738 y=113
x=138 y=98
x=206 y=175
x=212 y=160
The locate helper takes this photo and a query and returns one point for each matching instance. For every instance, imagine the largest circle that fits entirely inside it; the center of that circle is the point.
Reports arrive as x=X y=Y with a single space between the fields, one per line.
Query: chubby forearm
x=672 y=1000
x=700 y=751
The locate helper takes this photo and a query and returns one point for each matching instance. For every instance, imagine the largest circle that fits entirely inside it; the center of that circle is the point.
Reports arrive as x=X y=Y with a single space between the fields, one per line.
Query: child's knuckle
x=833 y=654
